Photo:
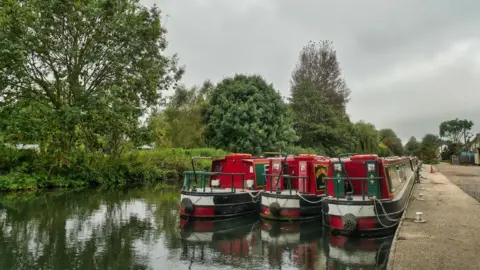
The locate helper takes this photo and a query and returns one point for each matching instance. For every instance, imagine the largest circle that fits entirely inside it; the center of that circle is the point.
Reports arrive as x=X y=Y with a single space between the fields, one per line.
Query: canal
x=141 y=229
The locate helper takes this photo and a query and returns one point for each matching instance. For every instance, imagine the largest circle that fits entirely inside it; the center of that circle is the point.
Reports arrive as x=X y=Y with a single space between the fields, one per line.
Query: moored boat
x=230 y=189
x=295 y=187
x=367 y=195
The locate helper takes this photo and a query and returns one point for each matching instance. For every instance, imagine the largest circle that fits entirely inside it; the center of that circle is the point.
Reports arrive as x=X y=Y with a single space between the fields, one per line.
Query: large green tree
x=389 y=138
x=86 y=69
x=366 y=138
x=413 y=147
x=319 y=97
x=455 y=129
x=429 y=148
x=246 y=114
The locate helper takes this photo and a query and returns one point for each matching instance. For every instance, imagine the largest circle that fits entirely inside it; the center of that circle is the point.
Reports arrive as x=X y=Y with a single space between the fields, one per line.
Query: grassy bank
x=27 y=170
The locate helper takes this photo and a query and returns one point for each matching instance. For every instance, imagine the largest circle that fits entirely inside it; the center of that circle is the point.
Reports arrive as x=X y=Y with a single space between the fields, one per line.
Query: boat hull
x=290 y=207
x=364 y=217
x=218 y=205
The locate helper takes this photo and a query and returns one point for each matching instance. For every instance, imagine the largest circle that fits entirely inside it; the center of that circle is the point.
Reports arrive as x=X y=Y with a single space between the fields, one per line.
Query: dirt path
x=465 y=177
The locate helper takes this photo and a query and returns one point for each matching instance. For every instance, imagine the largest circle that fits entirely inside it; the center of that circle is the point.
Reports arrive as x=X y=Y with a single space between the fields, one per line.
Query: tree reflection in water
x=141 y=229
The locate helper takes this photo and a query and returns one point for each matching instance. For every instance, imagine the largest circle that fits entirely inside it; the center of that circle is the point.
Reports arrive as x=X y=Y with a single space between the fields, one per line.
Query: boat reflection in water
x=293 y=244
x=356 y=253
x=248 y=243
x=220 y=242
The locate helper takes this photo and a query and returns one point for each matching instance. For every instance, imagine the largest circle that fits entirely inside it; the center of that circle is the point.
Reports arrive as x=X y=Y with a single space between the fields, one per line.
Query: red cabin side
x=313 y=167
x=356 y=167
x=239 y=163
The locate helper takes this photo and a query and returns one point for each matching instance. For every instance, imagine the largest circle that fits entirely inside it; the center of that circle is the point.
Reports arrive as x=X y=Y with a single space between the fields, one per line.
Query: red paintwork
x=284 y=213
x=200 y=211
x=306 y=255
x=366 y=223
x=295 y=169
x=235 y=248
x=355 y=167
x=236 y=163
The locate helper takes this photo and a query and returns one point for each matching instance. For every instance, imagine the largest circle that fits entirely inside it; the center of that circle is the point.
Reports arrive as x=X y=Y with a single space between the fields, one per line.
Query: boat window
x=320 y=174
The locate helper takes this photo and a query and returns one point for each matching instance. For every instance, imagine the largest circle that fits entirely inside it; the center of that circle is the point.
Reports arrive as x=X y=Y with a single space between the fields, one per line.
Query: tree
x=93 y=66
x=455 y=129
x=413 y=147
x=366 y=137
x=429 y=148
x=247 y=115
x=182 y=122
x=319 y=97
x=389 y=138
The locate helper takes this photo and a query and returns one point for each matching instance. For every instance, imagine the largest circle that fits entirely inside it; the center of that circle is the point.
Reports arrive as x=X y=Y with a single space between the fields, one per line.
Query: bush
x=133 y=168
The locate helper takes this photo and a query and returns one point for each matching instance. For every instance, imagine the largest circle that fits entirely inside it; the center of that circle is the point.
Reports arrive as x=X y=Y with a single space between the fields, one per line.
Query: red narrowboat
x=230 y=189
x=294 y=188
x=367 y=195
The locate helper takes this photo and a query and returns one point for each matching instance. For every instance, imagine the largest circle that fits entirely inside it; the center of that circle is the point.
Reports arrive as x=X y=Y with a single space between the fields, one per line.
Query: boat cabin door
x=302 y=172
x=276 y=170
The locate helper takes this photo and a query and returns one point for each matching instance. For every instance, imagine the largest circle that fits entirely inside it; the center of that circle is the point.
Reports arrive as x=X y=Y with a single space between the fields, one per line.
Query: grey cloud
x=375 y=41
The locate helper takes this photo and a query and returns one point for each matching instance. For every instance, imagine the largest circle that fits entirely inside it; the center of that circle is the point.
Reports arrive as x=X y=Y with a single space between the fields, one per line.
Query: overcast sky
x=409 y=64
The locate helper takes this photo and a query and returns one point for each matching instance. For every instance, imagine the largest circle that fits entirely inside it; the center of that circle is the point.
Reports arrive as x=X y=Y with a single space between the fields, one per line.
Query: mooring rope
x=254 y=197
x=319 y=201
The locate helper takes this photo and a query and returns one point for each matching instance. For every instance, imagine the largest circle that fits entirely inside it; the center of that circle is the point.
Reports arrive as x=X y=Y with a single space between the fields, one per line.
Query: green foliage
x=389 y=138
x=182 y=122
x=81 y=73
x=455 y=129
x=319 y=97
x=413 y=147
x=28 y=170
x=366 y=138
x=296 y=150
x=246 y=114
x=429 y=149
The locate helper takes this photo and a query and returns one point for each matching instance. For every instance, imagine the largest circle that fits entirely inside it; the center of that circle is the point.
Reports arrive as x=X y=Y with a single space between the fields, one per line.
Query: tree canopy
x=389 y=138
x=412 y=147
x=247 y=115
x=87 y=70
x=455 y=129
x=319 y=96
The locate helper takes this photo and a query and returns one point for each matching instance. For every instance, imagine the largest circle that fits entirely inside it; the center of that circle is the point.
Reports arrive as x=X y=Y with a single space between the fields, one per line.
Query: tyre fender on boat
x=349 y=223
x=275 y=209
x=187 y=205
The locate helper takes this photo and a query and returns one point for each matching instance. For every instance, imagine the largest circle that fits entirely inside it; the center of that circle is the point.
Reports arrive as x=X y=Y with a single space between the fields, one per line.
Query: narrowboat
x=295 y=187
x=231 y=188
x=367 y=195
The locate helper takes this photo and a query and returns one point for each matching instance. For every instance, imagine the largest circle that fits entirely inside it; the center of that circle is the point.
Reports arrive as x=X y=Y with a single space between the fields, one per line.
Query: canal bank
x=449 y=236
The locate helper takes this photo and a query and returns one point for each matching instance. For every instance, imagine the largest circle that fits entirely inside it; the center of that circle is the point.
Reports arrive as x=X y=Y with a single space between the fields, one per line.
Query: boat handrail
x=207 y=173
x=289 y=177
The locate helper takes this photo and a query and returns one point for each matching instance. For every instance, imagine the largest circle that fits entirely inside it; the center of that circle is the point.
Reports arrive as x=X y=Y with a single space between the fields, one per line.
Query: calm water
x=140 y=229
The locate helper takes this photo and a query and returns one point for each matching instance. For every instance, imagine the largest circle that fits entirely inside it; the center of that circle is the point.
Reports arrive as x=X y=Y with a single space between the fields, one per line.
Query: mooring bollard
x=420 y=197
x=419 y=218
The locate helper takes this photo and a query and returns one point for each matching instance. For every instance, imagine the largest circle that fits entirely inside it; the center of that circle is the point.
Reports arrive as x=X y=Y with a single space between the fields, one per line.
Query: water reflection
x=139 y=229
